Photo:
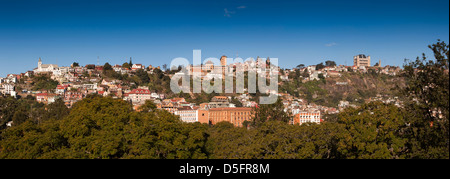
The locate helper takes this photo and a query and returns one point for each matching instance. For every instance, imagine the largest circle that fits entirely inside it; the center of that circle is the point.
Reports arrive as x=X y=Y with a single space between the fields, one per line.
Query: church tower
x=39 y=64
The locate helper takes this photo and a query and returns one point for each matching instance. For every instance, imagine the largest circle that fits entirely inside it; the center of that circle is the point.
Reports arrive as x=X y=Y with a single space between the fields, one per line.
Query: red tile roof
x=139 y=91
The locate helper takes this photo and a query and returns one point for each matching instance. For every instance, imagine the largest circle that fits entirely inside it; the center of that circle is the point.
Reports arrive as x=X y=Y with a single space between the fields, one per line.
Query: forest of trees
x=102 y=128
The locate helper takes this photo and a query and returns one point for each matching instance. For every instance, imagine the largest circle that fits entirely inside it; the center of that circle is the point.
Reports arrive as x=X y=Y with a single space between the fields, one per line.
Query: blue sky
x=155 y=32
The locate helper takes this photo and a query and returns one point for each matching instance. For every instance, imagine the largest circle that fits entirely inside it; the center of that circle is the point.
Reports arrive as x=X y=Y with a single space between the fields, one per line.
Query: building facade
x=45 y=67
x=187 y=114
x=307 y=117
x=219 y=102
x=361 y=60
x=235 y=116
x=138 y=96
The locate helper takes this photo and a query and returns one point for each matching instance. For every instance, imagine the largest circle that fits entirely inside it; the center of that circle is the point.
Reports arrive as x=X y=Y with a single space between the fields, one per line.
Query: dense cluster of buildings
x=361 y=64
x=76 y=82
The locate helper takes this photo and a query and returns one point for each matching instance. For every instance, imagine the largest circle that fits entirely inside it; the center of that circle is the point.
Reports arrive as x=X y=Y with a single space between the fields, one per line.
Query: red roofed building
x=71 y=97
x=101 y=93
x=46 y=98
x=178 y=100
x=61 y=89
x=138 y=96
x=333 y=73
x=99 y=68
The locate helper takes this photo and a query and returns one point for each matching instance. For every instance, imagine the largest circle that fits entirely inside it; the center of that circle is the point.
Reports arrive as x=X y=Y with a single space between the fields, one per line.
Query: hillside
x=353 y=87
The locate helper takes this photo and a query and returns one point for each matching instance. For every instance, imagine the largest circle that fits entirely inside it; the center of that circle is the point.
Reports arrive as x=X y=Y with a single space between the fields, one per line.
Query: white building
x=138 y=96
x=137 y=67
x=11 y=78
x=154 y=95
x=315 y=75
x=8 y=89
x=187 y=115
x=45 y=67
x=307 y=117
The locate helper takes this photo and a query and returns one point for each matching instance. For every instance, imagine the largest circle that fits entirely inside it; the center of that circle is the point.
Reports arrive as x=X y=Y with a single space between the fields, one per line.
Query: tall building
x=361 y=60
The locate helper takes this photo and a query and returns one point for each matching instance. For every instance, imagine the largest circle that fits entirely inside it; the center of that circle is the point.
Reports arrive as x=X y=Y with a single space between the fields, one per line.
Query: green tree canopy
x=428 y=105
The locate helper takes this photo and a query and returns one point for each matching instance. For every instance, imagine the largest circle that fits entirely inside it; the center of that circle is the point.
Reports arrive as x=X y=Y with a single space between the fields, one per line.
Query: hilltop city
x=137 y=83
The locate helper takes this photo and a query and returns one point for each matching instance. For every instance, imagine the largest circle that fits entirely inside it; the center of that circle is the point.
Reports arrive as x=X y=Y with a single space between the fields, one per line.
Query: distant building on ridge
x=361 y=60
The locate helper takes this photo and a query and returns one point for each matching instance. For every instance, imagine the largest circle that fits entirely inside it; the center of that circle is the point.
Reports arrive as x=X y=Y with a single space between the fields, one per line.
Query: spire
x=39 y=64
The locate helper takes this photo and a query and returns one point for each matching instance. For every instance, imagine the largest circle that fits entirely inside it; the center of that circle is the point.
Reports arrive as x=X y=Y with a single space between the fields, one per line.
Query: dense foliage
x=99 y=127
x=44 y=82
x=102 y=127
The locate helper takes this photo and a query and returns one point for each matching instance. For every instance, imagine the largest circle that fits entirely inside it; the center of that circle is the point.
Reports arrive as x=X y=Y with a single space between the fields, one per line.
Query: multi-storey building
x=307 y=117
x=71 y=97
x=8 y=89
x=235 y=116
x=138 y=96
x=61 y=89
x=187 y=114
x=361 y=60
x=219 y=102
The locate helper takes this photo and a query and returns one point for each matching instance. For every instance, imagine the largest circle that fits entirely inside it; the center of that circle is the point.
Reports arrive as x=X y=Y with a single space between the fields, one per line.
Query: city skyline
x=154 y=33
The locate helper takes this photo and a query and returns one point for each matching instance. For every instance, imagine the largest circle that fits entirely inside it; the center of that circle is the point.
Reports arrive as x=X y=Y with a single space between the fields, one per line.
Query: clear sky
x=155 y=32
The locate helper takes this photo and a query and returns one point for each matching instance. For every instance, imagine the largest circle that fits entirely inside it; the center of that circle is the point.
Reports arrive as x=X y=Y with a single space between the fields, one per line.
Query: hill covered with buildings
x=321 y=111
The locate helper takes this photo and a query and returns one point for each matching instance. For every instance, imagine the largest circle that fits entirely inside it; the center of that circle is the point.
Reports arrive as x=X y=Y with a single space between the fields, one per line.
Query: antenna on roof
x=98 y=60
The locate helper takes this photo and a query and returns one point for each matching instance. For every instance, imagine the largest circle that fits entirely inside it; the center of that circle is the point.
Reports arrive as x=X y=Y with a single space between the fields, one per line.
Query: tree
x=126 y=65
x=8 y=107
x=305 y=74
x=428 y=105
x=320 y=66
x=330 y=63
x=321 y=76
x=44 y=82
x=267 y=112
x=148 y=106
x=75 y=64
x=143 y=76
x=107 y=66
x=374 y=130
x=349 y=69
x=90 y=66
x=236 y=102
x=56 y=110
x=300 y=66
x=102 y=127
x=20 y=116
